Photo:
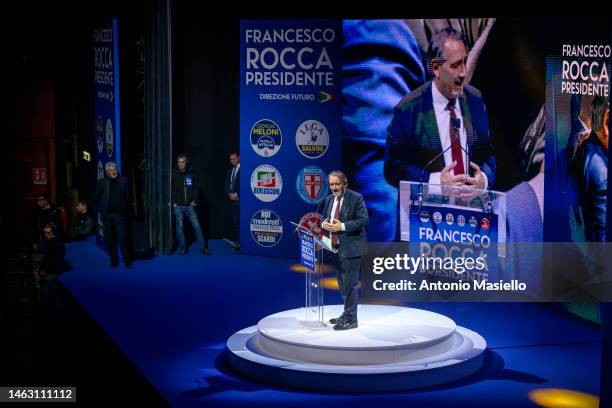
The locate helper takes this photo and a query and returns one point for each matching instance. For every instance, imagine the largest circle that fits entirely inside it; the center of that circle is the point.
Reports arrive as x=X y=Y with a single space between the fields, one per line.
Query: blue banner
x=290 y=125
x=106 y=102
x=451 y=233
x=307 y=251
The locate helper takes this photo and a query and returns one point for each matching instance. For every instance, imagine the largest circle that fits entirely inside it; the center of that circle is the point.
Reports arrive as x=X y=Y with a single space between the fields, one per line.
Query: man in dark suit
x=232 y=188
x=346 y=217
x=112 y=197
x=440 y=132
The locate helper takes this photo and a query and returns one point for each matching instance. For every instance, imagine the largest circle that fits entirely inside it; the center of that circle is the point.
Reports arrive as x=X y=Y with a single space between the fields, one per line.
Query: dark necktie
x=455 y=141
x=335 y=240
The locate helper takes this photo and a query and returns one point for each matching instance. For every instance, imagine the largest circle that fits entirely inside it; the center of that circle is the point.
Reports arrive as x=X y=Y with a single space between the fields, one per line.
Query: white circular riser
x=394 y=348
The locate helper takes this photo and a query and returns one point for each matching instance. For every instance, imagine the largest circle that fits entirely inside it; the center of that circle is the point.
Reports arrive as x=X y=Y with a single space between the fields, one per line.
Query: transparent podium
x=314 y=301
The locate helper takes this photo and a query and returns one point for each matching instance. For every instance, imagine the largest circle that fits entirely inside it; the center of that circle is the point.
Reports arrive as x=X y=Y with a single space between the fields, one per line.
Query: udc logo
x=266 y=183
x=437 y=217
x=312 y=221
x=100 y=133
x=312 y=139
x=266 y=138
x=312 y=184
x=450 y=219
x=266 y=228
x=110 y=137
x=460 y=220
x=424 y=216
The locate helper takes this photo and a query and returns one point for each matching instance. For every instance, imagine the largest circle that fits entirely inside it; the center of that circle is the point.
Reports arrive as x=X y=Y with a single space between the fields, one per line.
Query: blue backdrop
x=290 y=127
x=106 y=101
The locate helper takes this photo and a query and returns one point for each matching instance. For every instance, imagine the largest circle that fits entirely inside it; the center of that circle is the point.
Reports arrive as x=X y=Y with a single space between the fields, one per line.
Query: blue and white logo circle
x=312 y=185
x=266 y=228
x=312 y=139
x=437 y=217
x=266 y=138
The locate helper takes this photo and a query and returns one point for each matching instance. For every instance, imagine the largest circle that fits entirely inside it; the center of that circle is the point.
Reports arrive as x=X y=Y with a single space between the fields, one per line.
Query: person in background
x=82 y=225
x=232 y=188
x=184 y=203
x=112 y=196
x=50 y=267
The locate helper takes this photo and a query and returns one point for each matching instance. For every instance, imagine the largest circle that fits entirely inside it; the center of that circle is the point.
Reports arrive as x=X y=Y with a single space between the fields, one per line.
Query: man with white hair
x=113 y=202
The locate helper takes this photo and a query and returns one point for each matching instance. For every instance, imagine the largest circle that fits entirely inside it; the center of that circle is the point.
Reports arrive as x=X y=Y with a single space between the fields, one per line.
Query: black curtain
x=158 y=125
x=206 y=103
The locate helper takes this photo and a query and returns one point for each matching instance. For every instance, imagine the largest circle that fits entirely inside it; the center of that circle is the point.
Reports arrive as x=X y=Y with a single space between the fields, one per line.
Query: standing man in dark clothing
x=50 y=266
x=112 y=197
x=232 y=188
x=184 y=203
x=346 y=218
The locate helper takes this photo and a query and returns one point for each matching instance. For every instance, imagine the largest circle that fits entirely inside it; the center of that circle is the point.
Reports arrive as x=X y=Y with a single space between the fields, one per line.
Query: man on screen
x=346 y=217
x=590 y=171
x=439 y=133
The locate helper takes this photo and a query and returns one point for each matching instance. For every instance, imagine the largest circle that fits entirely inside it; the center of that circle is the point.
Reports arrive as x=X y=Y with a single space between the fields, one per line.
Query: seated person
x=45 y=213
x=82 y=225
x=51 y=265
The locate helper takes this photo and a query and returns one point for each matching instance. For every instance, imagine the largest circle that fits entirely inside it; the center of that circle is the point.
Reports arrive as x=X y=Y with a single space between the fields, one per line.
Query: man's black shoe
x=336 y=320
x=183 y=250
x=346 y=325
x=236 y=248
x=205 y=251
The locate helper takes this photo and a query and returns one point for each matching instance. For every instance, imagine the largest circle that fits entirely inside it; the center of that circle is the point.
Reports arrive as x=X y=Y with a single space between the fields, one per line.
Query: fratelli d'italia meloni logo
x=266 y=138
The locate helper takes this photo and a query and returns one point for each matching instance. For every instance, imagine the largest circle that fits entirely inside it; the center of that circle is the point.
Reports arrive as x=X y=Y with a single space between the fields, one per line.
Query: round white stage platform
x=394 y=348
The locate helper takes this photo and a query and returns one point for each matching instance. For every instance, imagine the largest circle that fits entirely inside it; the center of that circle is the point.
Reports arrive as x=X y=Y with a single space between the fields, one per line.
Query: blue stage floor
x=172 y=316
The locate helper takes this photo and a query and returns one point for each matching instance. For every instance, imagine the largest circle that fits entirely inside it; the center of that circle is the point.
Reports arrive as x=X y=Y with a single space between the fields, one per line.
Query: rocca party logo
x=312 y=184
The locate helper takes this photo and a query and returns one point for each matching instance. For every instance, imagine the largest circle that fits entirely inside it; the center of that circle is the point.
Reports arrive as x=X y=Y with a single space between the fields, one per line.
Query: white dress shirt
x=333 y=211
x=440 y=103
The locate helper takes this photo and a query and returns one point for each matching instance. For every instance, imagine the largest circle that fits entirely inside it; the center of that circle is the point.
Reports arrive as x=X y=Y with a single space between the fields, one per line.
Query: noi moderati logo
x=266 y=228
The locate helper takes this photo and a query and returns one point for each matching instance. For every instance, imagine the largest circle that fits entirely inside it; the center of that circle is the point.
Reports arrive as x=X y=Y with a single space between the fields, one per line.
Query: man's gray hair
x=110 y=164
x=340 y=175
x=436 y=46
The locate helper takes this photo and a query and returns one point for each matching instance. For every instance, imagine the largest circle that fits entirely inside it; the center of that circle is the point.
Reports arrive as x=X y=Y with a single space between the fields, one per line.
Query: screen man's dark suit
x=352 y=245
x=413 y=139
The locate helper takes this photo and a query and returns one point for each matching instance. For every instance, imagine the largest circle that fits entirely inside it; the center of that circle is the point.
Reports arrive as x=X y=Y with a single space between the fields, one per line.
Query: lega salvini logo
x=266 y=228
x=266 y=138
x=312 y=139
x=266 y=183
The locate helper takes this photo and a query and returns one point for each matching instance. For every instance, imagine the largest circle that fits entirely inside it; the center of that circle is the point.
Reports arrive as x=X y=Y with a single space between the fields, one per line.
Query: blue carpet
x=173 y=314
